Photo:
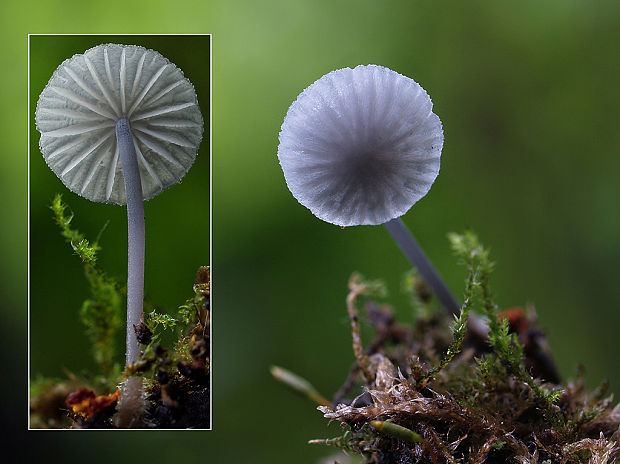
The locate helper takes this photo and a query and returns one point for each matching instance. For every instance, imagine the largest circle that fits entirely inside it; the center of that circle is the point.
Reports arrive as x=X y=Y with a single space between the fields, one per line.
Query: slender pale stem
x=415 y=254
x=409 y=246
x=135 y=227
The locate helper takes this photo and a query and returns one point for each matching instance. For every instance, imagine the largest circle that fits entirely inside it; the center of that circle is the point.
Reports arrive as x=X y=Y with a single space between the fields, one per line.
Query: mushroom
x=120 y=124
x=362 y=146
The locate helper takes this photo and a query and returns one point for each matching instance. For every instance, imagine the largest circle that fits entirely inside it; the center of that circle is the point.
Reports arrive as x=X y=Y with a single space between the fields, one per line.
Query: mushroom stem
x=135 y=228
x=412 y=250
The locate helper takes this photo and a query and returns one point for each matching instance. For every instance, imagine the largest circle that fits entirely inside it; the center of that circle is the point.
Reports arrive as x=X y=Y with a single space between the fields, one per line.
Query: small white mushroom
x=119 y=124
x=78 y=110
x=362 y=146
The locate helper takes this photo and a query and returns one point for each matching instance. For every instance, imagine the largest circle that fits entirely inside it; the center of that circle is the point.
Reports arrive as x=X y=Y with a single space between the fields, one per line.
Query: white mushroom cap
x=77 y=111
x=360 y=146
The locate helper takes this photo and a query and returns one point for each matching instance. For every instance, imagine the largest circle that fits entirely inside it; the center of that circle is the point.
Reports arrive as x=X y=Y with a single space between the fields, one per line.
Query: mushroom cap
x=77 y=112
x=360 y=146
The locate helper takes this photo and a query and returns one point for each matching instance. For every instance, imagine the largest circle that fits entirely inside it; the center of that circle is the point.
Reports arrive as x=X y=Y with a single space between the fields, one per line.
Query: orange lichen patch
x=85 y=403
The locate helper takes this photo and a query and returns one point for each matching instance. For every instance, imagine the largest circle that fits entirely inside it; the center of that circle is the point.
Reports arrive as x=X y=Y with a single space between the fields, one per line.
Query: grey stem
x=415 y=254
x=409 y=246
x=135 y=227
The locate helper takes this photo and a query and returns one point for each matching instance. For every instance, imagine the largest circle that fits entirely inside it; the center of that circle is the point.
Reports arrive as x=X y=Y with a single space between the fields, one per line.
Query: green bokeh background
x=528 y=94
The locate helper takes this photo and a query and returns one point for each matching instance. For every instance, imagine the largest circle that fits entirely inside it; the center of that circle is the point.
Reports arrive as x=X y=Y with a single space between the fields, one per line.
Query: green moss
x=177 y=377
x=439 y=393
x=81 y=246
x=101 y=314
x=191 y=323
x=155 y=320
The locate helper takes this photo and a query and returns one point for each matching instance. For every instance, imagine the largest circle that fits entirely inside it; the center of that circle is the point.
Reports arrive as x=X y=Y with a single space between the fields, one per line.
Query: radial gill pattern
x=78 y=109
x=360 y=146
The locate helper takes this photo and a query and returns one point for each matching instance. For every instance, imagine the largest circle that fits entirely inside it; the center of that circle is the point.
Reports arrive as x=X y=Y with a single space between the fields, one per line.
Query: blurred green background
x=528 y=94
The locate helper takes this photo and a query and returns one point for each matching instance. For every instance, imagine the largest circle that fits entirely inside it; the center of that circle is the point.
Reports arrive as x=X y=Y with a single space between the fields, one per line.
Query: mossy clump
x=438 y=393
x=175 y=365
x=177 y=378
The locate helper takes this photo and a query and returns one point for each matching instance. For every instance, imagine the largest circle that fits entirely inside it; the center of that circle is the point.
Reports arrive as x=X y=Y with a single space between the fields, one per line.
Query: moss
x=176 y=376
x=101 y=313
x=437 y=393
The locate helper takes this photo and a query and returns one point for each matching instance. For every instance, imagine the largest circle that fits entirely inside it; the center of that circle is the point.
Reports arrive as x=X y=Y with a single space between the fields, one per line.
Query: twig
x=355 y=290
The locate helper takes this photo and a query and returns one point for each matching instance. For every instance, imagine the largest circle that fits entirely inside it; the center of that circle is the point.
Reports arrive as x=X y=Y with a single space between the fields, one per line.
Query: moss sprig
x=505 y=344
x=82 y=247
x=101 y=313
x=474 y=262
x=191 y=322
x=154 y=320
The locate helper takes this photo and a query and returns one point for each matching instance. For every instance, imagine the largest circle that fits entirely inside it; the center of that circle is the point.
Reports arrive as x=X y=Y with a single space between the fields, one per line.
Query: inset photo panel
x=120 y=232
